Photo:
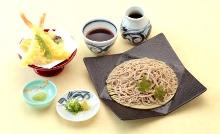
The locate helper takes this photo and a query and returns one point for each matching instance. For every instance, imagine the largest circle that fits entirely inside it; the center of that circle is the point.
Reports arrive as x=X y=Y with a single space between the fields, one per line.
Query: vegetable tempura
x=45 y=48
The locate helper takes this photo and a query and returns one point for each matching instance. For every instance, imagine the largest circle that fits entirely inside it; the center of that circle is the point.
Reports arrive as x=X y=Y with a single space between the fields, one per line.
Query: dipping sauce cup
x=99 y=35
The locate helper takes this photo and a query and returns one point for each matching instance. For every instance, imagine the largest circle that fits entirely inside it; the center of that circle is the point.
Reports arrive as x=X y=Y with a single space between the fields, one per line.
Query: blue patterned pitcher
x=135 y=27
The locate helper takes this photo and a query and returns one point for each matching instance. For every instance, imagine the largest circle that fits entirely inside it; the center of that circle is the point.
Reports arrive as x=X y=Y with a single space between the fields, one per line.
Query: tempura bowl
x=54 y=70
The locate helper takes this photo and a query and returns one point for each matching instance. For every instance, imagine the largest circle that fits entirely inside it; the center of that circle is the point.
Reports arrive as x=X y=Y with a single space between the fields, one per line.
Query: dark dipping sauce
x=100 y=34
x=135 y=15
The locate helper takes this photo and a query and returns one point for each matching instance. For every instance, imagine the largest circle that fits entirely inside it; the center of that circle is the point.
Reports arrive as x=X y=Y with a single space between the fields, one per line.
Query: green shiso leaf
x=144 y=85
x=159 y=93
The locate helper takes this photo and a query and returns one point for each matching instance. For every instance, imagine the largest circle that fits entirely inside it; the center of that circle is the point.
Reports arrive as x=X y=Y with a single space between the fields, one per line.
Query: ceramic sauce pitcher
x=135 y=27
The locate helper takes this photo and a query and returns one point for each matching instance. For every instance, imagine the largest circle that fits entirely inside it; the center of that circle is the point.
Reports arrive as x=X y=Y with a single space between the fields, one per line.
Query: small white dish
x=91 y=99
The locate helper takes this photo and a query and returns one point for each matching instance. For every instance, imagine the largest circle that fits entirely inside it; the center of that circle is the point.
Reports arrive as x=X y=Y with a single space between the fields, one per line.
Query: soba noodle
x=122 y=83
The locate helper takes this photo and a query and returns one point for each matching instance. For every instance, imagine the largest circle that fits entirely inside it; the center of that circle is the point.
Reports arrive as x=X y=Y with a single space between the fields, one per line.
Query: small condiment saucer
x=79 y=94
x=48 y=88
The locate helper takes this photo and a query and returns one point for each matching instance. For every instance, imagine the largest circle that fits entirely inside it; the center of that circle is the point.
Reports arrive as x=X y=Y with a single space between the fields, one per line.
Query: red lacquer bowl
x=54 y=70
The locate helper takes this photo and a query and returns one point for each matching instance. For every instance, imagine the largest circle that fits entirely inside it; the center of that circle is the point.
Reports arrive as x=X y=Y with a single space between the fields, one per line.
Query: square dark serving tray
x=157 y=48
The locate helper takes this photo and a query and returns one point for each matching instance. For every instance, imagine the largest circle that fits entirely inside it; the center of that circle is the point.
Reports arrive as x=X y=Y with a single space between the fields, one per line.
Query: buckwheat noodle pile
x=122 y=83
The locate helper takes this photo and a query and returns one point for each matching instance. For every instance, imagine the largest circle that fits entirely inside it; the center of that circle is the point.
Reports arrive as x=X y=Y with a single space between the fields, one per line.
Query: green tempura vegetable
x=43 y=47
x=144 y=85
x=159 y=93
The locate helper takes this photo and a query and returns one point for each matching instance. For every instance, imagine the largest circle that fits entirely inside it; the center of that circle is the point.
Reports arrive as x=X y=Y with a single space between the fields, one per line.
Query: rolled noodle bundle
x=142 y=83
